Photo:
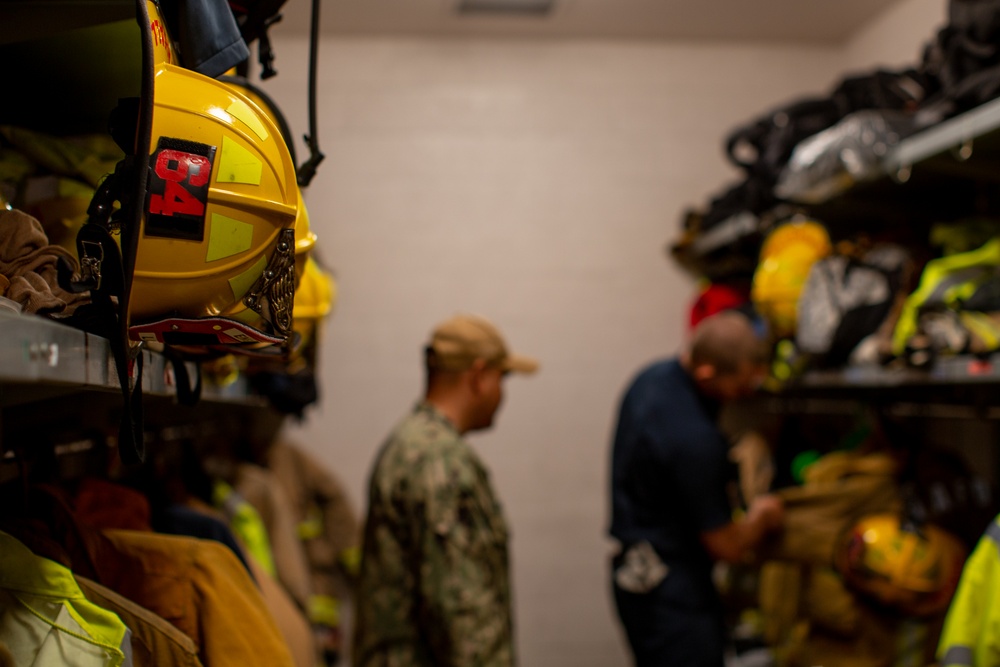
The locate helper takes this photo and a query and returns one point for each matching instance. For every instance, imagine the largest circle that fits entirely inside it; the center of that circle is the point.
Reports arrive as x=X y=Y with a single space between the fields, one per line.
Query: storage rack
x=935 y=174
x=58 y=383
x=945 y=172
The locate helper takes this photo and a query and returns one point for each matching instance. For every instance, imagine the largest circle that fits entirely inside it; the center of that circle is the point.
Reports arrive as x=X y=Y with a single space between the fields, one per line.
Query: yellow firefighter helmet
x=314 y=299
x=305 y=238
x=785 y=259
x=914 y=570
x=216 y=257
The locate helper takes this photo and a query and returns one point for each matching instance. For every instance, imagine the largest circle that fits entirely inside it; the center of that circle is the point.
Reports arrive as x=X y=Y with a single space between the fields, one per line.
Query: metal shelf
x=945 y=371
x=952 y=134
x=42 y=357
x=954 y=139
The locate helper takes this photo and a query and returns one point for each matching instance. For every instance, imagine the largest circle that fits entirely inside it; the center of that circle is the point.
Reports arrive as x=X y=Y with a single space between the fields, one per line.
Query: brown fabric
x=103 y=504
x=752 y=456
x=6 y=658
x=199 y=586
x=829 y=604
x=818 y=514
x=779 y=591
x=261 y=489
x=877 y=644
x=291 y=621
x=28 y=261
x=837 y=466
x=315 y=492
x=810 y=616
x=155 y=643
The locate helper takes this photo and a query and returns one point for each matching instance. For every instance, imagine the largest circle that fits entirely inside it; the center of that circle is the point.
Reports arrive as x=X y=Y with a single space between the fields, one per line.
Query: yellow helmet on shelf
x=788 y=253
x=314 y=300
x=216 y=256
x=914 y=570
x=290 y=381
x=305 y=238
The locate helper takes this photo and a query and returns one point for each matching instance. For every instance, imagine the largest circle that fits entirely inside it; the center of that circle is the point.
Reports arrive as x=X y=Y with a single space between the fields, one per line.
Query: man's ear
x=476 y=372
x=704 y=372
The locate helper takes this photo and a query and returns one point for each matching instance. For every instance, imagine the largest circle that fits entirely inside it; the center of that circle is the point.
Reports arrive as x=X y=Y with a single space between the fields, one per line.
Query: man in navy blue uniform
x=670 y=508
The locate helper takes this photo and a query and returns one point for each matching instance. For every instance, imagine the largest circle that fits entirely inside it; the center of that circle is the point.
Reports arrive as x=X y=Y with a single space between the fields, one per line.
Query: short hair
x=434 y=371
x=726 y=341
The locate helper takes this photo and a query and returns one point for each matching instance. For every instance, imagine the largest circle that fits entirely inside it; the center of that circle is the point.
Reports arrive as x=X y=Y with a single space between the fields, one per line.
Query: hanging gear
x=103 y=274
x=945 y=284
x=914 y=569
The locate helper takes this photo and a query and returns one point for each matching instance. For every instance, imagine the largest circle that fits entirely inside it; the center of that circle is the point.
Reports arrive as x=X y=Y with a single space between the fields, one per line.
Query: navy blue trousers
x=664 y=632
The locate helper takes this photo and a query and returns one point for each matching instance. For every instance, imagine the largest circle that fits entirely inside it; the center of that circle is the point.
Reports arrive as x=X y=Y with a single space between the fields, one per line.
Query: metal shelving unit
x=907 y=184
x=945 y=371
x=40 y=357
x=945 y=172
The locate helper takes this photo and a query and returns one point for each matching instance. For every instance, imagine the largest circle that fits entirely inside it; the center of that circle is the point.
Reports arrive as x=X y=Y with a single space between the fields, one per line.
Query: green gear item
x=945 y=282
x=802 y=461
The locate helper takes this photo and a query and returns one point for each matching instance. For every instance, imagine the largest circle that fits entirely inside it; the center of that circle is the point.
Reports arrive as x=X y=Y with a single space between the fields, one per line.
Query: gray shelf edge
x=37 y=350
x=947 y=134
x=730 y=229
x=946 y=371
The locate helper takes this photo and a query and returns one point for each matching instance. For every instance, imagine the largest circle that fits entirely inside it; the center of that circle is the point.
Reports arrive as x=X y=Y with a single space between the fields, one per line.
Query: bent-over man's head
x=725 y=357
x=466 y=360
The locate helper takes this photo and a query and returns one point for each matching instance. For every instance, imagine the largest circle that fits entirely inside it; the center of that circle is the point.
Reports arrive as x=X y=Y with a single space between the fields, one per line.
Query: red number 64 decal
x=178 y=169
x=178 y=189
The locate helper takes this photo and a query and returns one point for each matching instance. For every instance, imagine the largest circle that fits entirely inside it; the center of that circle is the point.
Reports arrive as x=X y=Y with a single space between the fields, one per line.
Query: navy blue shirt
x=669 y=469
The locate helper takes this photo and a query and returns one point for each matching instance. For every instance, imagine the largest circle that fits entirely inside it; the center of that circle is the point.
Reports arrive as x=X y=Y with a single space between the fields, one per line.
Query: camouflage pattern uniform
x=434 y=587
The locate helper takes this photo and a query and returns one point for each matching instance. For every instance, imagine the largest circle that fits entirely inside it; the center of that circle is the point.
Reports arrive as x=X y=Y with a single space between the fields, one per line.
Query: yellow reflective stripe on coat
x=324 y=610
x=971 y=632
x=246 y=523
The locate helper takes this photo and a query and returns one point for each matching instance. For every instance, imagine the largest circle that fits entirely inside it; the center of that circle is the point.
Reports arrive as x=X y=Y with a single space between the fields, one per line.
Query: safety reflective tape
x=324 y=610
x=312 y=527
x=239 y=109
x=242 y=283
x=957 y=656
x=238 y=165
x=993 y=532
x=983 y=326
x=350 y=558
x=227 y=237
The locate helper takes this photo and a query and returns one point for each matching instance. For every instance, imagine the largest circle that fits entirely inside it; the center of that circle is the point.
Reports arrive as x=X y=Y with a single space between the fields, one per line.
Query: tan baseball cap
x=459 y=341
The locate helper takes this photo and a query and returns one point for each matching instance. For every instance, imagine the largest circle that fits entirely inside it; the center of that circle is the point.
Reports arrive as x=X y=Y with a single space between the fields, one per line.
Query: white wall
x=536 y=183
x=896 y=38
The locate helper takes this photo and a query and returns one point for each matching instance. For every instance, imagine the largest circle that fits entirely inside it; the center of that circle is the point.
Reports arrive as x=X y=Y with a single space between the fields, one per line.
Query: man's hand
x=769 y=511
x=735 y=541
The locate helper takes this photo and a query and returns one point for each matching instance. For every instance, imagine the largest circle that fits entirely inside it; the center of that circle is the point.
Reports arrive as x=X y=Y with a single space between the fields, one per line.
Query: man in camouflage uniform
x=434 y=586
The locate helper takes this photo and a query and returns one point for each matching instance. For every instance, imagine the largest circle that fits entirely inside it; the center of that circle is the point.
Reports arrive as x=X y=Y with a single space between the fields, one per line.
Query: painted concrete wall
x=896 y=37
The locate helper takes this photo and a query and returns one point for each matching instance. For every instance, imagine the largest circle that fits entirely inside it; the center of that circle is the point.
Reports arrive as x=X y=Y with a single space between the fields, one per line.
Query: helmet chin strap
x=103 y=275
